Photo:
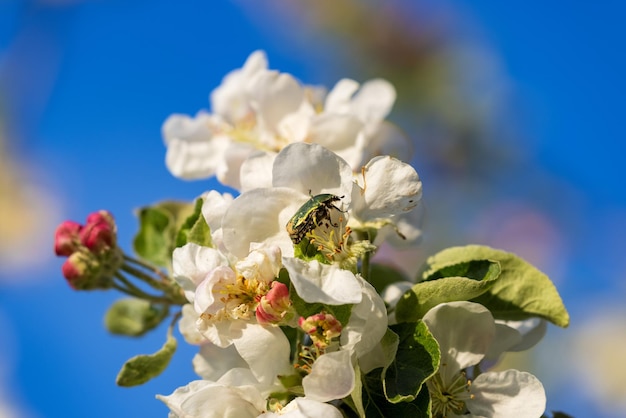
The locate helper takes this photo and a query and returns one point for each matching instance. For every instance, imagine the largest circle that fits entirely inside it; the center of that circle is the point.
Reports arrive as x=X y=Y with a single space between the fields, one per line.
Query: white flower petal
x=229 y=169
x=305 y=408
x=231 y=99
x=260 y=216
x=266 y=350
x=338 y=99
x=373 y=102
x=294 y=127
x=505 y=338
x=187 y=325
x=367 y=324
x=341 y=134
x=216 y=280
x=206 y=399
x=322 y=283
x=510 y=393
x=392 y=293
x=256 y=171
x=191 y=263
x=193 y=151
x=390 y=187
x=464 y=331
x=532 y=331
x=214 y=205
x=331 y=377
x=275 y=95
x=262 y=264
x=335 y=131
x=388 y=139
x=312 y=169
x=221 y=333
x=206 y=366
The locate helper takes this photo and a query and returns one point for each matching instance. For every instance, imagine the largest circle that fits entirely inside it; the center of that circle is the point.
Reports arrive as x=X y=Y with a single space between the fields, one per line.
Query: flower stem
x=130 y=289
x=157 y=284
x=164 y=277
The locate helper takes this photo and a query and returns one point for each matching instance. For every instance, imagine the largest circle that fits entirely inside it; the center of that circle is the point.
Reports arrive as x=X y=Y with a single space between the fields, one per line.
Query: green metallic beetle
x=310 y=215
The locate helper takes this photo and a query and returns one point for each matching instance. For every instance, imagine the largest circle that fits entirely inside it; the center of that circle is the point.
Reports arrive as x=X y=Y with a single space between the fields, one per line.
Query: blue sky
x=90 y=83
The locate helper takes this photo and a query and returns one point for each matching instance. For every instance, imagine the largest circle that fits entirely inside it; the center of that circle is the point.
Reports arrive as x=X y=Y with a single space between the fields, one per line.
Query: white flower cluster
x=280 y=302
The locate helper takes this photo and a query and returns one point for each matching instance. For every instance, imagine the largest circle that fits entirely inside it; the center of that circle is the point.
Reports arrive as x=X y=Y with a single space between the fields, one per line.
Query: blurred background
x=512 y=108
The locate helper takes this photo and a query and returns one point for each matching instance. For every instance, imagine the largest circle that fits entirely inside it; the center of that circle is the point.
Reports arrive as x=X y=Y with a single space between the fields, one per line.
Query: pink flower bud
x=66 y=238
x=101 y=216
x=99 y=232
x=77 y=270
x=321 y=327
x=275 y=305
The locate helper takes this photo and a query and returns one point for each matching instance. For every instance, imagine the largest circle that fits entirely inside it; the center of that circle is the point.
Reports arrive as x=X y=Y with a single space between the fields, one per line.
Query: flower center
x=451 y=397
x=239 y=300
x=332 y=239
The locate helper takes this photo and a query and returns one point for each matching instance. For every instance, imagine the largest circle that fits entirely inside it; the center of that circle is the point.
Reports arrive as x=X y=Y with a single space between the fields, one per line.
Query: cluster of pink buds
x=91 y=250
x=322 y=328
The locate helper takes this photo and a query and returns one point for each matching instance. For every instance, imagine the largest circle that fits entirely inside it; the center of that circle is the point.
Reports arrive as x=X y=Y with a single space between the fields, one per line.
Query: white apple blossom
x=331 y=377
x=236 y=393
x=224 y=290
x=386 y=189
x=366 y=327
x=299 y=171
x=514 y=336
x=214 y=206
x=257 y=109
x=305 y=408
x=207 y=399
x=465 y=331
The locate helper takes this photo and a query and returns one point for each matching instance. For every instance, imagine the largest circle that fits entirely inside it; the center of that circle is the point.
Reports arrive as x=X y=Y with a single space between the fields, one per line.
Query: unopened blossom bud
x=66 y=238
x=275 y=306
x=101 y=216
x=99 y=232
x=85 y=270
x=79 y=269
x=321 y=327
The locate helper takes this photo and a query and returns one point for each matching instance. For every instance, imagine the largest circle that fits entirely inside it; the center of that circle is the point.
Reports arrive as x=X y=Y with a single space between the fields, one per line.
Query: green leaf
x=441 y=286
x=382 y=276
x=355 y=400
x=133 y=317
x=195 y=229
x=158 y=226
x=389 y=344
x=417 y=359
x=377 y=406
x=139 y=369
x=472 y=269
x=306 y=251
x=521 y=291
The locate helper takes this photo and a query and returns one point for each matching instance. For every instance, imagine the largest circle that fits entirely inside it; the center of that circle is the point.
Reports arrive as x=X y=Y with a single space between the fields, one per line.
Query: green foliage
x=306 y=251
x=195 y=229
x=376 y=404
x=417 y=359
x=398 y=389
x=463 y=280
x=139 y=369
x=521 y=291
x=133 y=317
x=158 y=228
